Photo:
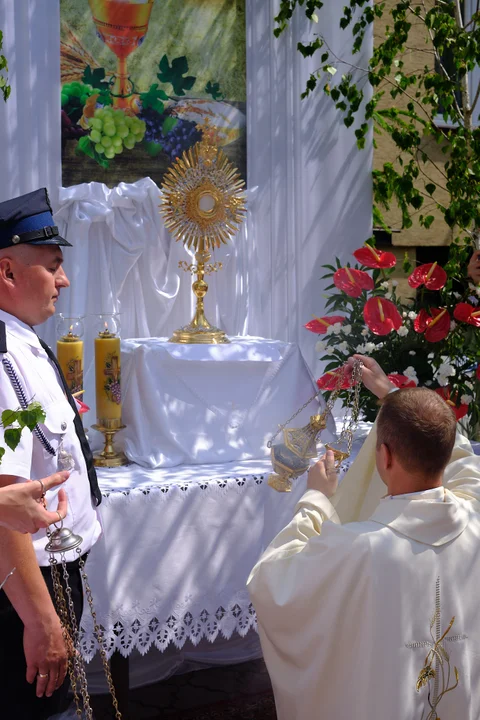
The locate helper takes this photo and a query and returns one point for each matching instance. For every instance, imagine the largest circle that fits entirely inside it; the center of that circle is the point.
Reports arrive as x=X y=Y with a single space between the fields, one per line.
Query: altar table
x=198 y=404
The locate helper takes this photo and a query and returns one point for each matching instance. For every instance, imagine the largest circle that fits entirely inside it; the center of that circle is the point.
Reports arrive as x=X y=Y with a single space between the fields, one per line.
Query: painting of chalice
x=139 y=79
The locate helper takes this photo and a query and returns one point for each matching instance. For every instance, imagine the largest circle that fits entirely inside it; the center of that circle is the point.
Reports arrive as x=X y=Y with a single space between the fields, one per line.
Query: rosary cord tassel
x=9 y=369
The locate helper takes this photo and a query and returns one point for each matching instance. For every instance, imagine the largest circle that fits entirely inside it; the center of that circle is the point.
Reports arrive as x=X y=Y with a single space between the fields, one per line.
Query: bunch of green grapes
x=77 y=90
x=112 y=130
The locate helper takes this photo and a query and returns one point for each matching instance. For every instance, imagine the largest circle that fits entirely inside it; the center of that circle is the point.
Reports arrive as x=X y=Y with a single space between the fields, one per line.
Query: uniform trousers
x=18 y=700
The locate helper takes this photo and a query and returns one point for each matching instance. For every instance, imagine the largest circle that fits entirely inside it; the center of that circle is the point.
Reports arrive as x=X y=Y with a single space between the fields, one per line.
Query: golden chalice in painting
x=122 y=25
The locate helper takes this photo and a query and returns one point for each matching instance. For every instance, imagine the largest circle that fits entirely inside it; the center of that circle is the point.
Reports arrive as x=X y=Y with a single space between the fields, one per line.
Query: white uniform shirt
x=30 y=460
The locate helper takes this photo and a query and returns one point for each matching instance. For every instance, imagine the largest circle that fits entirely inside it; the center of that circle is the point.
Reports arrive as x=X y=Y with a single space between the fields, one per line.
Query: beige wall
x=415 y=58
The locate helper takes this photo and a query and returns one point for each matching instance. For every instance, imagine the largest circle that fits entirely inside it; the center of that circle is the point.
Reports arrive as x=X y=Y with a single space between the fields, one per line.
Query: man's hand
x=20 y=509
x=473 y=269
x=373 y=376
x=45 y=653
x=323 y=475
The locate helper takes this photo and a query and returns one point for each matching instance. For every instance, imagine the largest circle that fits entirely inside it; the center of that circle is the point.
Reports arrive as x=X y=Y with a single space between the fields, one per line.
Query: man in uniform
x=33 y=661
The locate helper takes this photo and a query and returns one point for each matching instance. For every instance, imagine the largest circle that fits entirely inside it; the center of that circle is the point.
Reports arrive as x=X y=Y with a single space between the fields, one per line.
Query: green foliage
x=15 y=421
x=153 y=99
x=213 y=89
x=96 y=78
x=174 y=74
x=5 y=88
x=451 y=51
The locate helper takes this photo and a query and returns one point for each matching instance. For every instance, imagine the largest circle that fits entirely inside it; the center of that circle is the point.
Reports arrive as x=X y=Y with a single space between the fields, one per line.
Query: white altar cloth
x=176 y=552
x=198 y=404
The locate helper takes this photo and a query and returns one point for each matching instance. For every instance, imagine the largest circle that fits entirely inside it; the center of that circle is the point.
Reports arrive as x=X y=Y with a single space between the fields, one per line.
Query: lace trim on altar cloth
x=143 y=633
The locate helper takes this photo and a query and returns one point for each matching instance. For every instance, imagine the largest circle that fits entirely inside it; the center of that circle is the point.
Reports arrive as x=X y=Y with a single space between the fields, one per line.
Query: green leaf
x=9 y=417
x=95 y=78
x=86 y=146
x=12 y=437
x=2 y=453
x=331 y=70
x=169 y=124
x=174 y=74
x=153 y=99
x=213 y=89
x=152 y=148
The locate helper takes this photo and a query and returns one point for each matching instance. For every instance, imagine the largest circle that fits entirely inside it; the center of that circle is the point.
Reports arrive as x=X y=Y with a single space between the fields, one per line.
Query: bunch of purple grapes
x=116 y=392
x=174 y=142
x=70 y=130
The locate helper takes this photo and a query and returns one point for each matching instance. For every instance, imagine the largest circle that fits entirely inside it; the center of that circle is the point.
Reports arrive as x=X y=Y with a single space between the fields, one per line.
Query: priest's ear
x=384 y=457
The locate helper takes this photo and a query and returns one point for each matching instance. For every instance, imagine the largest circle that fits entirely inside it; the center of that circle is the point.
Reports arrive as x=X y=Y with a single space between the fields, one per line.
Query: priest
x=378 y=617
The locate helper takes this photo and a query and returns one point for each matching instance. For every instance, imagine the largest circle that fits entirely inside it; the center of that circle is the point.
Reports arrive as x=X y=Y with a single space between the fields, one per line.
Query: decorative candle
x=107 y=378
x=70 y=351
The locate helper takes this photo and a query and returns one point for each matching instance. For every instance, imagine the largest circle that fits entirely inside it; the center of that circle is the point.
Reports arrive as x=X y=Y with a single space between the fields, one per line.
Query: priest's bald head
x=415 y=438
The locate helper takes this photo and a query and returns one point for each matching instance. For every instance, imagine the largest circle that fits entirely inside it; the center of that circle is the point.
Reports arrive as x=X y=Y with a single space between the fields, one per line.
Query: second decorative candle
x=108 y=378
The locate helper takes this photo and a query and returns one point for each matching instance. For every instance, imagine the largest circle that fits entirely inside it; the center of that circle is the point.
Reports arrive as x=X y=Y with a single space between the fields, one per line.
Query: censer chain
x=329 y=404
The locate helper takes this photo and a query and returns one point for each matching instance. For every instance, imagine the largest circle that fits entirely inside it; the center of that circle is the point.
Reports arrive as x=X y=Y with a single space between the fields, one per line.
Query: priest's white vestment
x=355 y=619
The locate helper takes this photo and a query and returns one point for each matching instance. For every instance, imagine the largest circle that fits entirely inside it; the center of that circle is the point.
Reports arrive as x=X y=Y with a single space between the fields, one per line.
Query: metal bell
x=62 y=540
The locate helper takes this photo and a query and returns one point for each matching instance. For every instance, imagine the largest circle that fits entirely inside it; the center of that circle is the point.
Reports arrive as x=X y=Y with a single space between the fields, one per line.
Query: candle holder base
x=109 y=457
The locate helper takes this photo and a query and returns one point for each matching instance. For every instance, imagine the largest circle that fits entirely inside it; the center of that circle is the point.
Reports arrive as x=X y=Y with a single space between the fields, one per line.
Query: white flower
x=347 y=329
x=334 y=329
x=473 y=287
x=453 y=325
x=466 y=399
x=369 y=347
x=456 y=295
x=320 y=346
x=394 y=283
x=388 y=296
x=412 y=352
x=343 y=347
x=430 y=356
x=385 y=285
x=412 y=315
x=446 y=369
x=402 y=331
x=404 y=314
x=360 y=349
x=365 y=332
x=411 y=374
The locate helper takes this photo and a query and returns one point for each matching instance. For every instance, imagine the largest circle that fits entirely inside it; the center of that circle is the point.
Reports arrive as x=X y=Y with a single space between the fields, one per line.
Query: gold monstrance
x=203 y=204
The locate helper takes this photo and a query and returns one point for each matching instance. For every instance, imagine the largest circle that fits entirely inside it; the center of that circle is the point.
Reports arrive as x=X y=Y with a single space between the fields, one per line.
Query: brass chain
x=350 y=425
x=99 y=636
x=328 y=407
x=66 y=612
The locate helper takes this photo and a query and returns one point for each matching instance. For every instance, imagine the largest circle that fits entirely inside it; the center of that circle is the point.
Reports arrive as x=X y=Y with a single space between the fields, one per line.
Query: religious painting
x=141 y=78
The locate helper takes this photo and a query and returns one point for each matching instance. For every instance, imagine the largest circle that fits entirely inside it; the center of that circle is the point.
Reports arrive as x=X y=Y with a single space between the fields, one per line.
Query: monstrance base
x=190 y=335
x=109 y=457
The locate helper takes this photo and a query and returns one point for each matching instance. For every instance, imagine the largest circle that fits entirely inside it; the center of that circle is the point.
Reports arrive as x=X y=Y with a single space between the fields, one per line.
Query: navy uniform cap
x=28 y=219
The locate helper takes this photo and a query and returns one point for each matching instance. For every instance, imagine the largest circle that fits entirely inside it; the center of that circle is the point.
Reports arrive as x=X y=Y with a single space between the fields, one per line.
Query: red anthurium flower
x=329 y=381
x=401 y=381
x=353 y=282
x=459 y=410
x=478 y=372
x=431 y=275
x=368 y=256
x=321 y=325
x=82 y=407
x=436 y=327
x=381 y=315
x=468 y=314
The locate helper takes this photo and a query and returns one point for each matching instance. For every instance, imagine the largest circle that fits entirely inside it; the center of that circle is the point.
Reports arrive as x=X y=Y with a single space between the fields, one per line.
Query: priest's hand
x=323 y=475
x=373 y=376
x=473 y=269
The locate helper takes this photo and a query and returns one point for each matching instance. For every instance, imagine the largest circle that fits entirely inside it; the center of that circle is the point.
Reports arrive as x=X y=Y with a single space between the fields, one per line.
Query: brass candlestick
x=203 y=205
x=109 y=457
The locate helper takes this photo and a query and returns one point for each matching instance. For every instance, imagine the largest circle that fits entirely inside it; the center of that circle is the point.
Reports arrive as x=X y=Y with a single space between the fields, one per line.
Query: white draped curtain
x=309 y=190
